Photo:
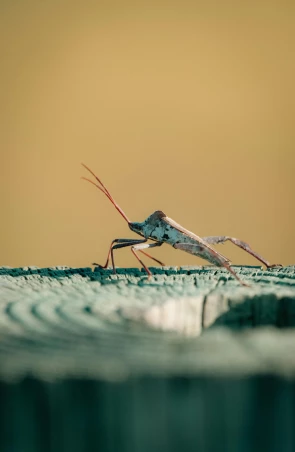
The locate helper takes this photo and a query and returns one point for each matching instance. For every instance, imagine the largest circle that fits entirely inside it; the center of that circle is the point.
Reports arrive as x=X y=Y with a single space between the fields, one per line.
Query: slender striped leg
x=139 y=248
x=214 y=240
x=122 y=243
x=125 y=242
x=151 y=257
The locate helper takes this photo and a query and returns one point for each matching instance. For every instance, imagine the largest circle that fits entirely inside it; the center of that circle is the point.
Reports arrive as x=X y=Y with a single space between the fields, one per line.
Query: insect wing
x=197 y=245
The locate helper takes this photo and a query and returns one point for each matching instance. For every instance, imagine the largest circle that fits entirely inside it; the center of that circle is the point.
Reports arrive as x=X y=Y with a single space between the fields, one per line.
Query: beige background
x=179 y=106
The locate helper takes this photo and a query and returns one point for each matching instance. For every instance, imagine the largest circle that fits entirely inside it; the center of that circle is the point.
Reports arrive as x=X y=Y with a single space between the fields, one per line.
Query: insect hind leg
x=215 y=240
x=206 y=252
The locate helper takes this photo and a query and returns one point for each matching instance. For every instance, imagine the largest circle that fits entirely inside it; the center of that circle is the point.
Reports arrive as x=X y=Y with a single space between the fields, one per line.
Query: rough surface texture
x=91 y=361
x=59 y=322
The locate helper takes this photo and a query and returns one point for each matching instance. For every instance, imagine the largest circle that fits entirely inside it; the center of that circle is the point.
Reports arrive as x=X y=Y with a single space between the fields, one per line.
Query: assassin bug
x=161 y=229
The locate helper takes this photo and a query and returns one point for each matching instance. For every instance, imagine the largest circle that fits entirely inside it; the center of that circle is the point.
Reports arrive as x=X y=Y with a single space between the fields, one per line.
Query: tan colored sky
x=183 y=108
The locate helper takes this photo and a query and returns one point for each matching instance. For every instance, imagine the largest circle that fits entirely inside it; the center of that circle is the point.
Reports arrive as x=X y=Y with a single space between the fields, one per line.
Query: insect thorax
x=152 y=223
x=156 y=227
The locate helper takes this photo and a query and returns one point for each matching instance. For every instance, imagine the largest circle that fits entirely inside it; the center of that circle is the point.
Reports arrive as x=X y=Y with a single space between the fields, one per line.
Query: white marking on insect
x=161 y=229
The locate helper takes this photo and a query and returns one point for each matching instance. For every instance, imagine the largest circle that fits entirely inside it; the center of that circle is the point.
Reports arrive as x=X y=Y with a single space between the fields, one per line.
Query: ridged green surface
x=76 y=322
x=91 y=361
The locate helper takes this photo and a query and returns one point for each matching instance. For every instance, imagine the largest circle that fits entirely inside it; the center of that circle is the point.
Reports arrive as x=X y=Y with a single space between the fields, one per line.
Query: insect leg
x=228 y=267
x=128 y=242
x=209 y=254
x=139 y=248
x=122 y=243
x=151 y=257
x=214 y=240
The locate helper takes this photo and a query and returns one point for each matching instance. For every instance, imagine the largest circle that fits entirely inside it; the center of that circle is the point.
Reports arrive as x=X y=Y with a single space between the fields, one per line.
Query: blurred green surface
x=148 y=413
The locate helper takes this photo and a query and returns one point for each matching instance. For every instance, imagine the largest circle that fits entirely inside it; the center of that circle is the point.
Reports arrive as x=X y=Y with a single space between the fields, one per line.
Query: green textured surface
x=91 y=361
x=61 y=321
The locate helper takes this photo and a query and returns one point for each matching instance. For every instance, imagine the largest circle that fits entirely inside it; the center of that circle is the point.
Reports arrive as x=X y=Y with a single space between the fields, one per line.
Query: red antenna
x=102 y=188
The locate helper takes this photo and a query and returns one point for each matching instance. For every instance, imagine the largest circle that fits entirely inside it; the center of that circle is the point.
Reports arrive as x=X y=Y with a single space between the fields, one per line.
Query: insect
x=161 y=229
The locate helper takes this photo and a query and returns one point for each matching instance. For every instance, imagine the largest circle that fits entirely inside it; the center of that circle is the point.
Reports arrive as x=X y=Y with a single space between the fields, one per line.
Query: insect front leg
x=125 y=242
x=215 y=240
x=118 y=243
x=122 y=243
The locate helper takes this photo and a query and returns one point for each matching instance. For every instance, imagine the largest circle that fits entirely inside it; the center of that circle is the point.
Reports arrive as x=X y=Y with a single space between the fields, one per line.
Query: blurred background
x=186 y=107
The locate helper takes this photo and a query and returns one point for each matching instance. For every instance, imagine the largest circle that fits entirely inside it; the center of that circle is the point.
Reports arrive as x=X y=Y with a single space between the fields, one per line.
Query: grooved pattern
x=60 y=322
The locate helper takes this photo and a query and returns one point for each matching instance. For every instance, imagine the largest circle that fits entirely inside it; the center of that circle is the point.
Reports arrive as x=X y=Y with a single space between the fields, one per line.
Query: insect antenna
x=102 y=188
